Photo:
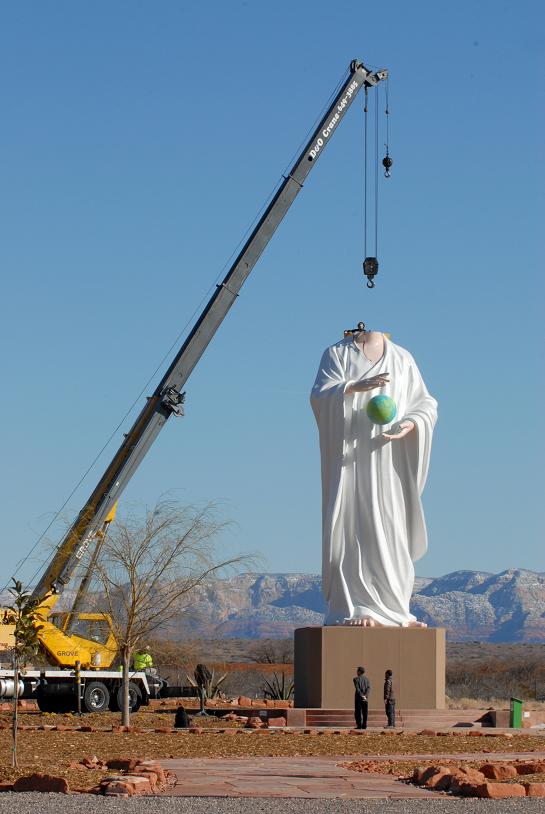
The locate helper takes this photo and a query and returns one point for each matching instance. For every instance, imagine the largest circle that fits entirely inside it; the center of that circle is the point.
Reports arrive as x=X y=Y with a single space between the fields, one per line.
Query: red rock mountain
x=471 y=605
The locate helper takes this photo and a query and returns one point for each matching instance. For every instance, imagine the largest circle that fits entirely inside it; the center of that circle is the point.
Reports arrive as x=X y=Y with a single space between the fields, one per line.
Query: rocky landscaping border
x=133 y=776
x=494 y=781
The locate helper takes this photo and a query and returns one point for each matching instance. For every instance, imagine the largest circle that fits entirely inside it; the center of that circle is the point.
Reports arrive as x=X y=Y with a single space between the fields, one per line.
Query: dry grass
x=491 y=703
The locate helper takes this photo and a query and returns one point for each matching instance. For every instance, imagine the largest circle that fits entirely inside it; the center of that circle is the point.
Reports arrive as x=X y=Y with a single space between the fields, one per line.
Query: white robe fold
x=372 y=519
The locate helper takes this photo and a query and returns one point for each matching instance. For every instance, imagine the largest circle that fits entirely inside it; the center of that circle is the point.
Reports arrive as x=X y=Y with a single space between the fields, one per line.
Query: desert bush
x=497 y=678
x=272 y=651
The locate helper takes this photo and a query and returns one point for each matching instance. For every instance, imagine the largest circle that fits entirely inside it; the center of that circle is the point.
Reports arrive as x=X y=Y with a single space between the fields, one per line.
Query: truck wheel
x=46 y=704
x=96 y=697
x=55 y=704
x=64 y=705
x=135 y=697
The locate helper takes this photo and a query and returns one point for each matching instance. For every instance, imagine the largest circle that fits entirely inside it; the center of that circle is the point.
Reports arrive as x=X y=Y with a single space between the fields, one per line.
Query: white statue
x=372 y=479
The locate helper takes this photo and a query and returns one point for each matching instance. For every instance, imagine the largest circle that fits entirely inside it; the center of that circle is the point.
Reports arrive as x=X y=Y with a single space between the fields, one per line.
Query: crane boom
x=168 y=396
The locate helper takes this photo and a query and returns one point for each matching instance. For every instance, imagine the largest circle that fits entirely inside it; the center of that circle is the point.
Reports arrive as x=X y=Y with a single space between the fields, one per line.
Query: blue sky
x=140 y=139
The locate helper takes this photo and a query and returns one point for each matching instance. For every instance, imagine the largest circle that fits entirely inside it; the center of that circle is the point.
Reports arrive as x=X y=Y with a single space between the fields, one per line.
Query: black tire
x=96 y=697
x=46 y=704
x=54 y=704
x=135 y=697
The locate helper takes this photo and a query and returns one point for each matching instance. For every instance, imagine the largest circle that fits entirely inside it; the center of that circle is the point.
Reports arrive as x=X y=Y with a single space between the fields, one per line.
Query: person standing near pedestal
x=389 y=699
x=361 y=698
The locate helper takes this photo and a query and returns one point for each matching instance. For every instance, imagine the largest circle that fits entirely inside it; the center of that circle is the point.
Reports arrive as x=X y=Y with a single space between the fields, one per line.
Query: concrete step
x=409 y=718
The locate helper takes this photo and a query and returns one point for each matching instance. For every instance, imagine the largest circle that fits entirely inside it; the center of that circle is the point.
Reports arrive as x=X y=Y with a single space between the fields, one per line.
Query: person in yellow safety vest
x=142 y=659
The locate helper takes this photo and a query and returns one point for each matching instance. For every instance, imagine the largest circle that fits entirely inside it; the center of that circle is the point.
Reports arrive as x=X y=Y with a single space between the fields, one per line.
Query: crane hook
x=370 y=269
x=387 y=163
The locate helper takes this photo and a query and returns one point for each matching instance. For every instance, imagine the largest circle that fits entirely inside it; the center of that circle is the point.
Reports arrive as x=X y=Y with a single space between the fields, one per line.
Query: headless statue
x=372 y=479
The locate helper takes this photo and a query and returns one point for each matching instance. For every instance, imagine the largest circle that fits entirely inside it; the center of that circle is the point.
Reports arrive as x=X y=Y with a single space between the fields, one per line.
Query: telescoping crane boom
x=168 y=397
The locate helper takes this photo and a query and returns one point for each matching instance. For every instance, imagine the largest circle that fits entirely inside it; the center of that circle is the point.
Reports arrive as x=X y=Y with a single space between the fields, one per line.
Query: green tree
x=23 y=613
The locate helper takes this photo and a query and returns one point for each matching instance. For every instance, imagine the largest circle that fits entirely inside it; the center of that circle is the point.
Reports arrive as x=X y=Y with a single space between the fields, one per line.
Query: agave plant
x=212 y=685
x=278 y=688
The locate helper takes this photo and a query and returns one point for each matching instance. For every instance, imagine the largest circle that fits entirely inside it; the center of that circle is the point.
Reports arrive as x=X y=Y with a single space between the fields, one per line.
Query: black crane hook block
x=370 y=269
x=387 y=163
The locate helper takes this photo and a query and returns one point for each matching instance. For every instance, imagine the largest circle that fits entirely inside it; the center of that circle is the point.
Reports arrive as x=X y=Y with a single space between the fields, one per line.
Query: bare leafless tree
x=272 y=651
x=149 y=570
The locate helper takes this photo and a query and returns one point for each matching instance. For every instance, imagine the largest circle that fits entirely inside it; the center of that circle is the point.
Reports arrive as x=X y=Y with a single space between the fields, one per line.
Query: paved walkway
x=314 y=777
x=307 y=777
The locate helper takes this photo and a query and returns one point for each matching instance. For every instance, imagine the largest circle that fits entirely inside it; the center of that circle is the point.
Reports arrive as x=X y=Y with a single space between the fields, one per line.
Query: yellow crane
x=72 y=636
x=87 y=637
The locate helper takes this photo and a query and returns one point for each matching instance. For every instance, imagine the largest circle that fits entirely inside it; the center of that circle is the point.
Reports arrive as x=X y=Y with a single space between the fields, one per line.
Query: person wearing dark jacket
x=361 y=698
x=181 y=719
x=389 y=699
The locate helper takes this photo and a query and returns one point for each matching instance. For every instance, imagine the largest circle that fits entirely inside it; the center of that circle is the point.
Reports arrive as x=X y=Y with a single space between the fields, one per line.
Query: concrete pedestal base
x=326 y=659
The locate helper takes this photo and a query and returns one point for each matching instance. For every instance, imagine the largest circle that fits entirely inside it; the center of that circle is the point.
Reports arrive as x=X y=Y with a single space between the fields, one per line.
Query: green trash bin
x=515 y=718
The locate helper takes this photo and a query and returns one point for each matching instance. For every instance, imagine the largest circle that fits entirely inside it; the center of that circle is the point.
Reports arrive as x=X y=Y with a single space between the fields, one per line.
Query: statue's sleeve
x=422 y=410
x=327 y=395
x=329 y=406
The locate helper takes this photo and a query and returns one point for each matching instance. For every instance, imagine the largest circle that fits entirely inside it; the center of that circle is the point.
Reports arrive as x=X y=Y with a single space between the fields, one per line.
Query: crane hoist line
x=62 y=636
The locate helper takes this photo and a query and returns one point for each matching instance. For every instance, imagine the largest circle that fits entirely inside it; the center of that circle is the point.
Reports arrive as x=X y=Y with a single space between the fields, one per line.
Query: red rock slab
x=534 y=789
x=123 y=764
x=41 y=782
x=117 y=788
x=125 y=784
x=423 y=773
x=151 y=766
x=499 y=771
x=499 y=791
x=464 y=780
x=440 y=780
x=531 y=767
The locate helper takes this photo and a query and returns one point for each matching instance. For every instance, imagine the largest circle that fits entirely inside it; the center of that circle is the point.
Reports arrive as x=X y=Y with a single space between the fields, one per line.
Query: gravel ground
x=30 y=803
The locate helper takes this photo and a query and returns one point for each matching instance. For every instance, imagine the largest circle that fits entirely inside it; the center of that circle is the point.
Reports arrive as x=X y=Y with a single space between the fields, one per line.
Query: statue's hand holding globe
x=381 y=409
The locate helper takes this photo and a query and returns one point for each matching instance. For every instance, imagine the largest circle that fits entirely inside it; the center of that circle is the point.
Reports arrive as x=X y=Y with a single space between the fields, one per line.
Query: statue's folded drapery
x=373 y=523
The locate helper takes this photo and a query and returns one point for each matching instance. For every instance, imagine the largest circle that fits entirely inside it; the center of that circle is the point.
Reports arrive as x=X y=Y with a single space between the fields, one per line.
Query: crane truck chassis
x=100 y=690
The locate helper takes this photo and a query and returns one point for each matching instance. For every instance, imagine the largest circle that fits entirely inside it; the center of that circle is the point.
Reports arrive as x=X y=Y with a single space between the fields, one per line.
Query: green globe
x=381 y=410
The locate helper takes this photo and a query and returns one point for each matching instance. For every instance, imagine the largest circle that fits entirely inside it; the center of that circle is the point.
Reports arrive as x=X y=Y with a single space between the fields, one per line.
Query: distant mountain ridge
x=471 y=605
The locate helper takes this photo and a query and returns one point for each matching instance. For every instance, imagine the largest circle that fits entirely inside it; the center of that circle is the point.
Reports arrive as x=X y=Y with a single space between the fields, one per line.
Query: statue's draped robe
x=373 y=523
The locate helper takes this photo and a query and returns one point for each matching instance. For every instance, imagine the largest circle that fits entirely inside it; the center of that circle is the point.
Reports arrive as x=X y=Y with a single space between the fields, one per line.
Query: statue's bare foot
x=361 y=621
x=416 y=623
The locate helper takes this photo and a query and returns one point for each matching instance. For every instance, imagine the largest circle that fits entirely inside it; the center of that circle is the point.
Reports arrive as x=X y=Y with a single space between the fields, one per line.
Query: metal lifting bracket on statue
x=173 y=401
x=354 y=331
